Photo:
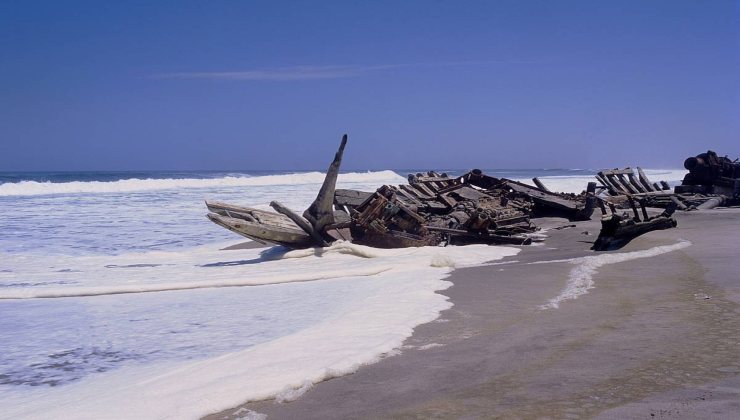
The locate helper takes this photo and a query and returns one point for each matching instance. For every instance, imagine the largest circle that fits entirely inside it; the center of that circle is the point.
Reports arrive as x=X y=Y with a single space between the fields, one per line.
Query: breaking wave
x=33 y=188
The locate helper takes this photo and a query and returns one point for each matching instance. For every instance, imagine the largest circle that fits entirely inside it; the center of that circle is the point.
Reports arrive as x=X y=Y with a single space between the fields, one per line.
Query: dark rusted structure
x=712 y=181
x=432 y=209
x=437 y=209
x=713 y=176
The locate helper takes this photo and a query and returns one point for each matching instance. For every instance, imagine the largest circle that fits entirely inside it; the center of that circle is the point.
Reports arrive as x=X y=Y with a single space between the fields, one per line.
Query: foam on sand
x=32 y=188
x=581 y=277
x=363 y=330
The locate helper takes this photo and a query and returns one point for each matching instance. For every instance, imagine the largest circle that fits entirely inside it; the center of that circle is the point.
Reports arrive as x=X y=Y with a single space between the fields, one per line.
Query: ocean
x=118 y=300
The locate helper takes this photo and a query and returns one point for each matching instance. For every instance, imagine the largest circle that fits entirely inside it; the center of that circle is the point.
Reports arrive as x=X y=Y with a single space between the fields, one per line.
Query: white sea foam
x=32 y=188
x=430 y=346
x=369 y=321
x=581 y=277
x=202 y=268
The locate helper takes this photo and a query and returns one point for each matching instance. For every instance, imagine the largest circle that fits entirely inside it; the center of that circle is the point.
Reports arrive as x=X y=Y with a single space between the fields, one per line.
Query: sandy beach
x=657 y=336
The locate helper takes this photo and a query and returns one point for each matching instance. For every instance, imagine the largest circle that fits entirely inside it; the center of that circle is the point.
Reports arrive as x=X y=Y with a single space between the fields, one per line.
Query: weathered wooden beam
x=484 y=237
x=644 y=180
x=644 y=210
x=412 y=191
x=425 y=190
x=540 y=185
x=679 y=204
x=351 y=198
x=616 y=231
x=634 y=209
x=614 y=189
x=547 y=200
x=321 y=212
x=620 y=185
x=624 y=171
x=627 y=184
x=712 y=203
x=636 y=183
x=300 y=221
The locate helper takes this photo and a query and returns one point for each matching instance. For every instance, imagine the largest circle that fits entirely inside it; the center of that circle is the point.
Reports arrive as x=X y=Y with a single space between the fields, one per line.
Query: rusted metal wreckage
x=432 y=209
x=436 y=209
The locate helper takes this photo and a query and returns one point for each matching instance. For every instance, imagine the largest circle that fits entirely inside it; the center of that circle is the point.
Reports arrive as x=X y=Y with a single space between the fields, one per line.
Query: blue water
x=67 y=239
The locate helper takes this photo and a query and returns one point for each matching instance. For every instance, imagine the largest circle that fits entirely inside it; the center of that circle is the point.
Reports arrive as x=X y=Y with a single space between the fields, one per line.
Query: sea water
x=117 y=299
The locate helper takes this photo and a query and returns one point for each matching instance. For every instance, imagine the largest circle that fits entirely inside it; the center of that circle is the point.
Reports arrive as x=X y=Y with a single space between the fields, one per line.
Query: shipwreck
x=435 y=209
x=432 y=209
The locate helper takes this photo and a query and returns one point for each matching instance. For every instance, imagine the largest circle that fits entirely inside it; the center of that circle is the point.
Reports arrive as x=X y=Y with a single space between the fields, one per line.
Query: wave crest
x=32 y=188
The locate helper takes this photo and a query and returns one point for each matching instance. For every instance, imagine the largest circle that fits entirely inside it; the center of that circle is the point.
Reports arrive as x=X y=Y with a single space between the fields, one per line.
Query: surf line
x=169 y=287
x=581 y=277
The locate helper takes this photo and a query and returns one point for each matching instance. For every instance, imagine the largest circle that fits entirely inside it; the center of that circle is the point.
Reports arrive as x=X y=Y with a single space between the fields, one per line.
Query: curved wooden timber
x=261 y=226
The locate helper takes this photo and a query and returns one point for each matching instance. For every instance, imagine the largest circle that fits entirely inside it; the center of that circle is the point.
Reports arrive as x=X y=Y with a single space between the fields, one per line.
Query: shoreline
x=652 y=335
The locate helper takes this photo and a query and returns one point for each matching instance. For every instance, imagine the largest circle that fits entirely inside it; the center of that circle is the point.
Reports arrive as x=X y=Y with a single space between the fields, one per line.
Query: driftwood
x=540 y=185
x=618 y=229
x=300 y=221
x=258 y=225
x=321 y=212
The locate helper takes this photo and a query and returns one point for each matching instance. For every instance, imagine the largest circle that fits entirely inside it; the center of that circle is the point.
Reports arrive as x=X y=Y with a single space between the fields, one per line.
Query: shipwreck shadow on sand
x=268 y=254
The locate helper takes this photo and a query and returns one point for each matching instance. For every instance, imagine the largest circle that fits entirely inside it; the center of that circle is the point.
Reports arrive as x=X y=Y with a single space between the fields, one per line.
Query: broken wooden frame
x=618 y=184
x=618 y=229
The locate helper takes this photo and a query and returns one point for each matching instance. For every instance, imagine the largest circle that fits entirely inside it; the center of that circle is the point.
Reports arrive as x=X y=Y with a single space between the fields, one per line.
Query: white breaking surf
x=581 y=277
x=33 y=188
x=398 y=292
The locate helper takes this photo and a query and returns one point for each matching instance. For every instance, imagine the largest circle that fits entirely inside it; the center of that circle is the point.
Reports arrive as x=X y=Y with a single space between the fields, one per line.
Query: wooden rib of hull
x=259 y=225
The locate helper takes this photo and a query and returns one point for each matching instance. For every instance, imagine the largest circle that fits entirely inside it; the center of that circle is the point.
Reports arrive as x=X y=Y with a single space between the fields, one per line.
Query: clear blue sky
x=103 y=85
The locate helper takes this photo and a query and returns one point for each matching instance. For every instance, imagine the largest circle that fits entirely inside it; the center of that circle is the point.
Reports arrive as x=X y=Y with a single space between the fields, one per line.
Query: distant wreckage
x=435 y=209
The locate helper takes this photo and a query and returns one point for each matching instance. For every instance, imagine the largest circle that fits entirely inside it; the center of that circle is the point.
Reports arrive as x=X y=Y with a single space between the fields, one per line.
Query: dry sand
x=656 y=337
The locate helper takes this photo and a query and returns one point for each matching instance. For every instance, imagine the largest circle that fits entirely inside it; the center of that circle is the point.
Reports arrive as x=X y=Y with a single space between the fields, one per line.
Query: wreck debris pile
x=617 y=229
x=716 y=177
x=712 y=181
x=437 y=209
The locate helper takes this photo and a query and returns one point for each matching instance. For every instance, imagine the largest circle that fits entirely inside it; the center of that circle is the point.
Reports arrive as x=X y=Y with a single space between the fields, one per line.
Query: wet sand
x=657 y=337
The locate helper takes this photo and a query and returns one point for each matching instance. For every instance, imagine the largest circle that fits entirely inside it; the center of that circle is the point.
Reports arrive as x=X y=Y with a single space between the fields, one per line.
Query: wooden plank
x=613 y=189
x=514 y=239
x=412 y=191
x=540 y=197
x=424 y=189
x=624 y=171
x=351 y=198
x=601 y=178
x=302 y=223
x=408 y=197
x=540 y=185
x=634 y=208
x=644 y=179
x=618 y=187
x=636 y=183
x=628 y=184
x=449 y=201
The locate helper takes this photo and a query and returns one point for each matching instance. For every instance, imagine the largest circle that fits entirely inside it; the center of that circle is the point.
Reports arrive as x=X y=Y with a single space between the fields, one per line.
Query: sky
x=261 y=85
